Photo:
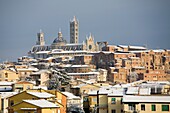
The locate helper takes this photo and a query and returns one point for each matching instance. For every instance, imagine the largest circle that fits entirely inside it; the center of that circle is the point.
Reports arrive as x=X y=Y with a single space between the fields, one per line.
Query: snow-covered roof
x=123 y=46
x=6 y=83
x=43 y=52
x=73 y=44
x=138 y=67
x=132 y=90
x=27 y=69
x=159 y=50
x=121 y=85
x=7 y=94
x=57 y=52
x=140 y=51
x=40 y=87
x=145 y=91
x=42 y=103
x=92 y=92
x=70 y=95
x=117 y=92
x=41 y=94
x=134 y=57
x=133 y=98
x=106 y=52
x=49 y=58
x=88 y=73
x=40 y=72
x=137 y=47
x=121 y=53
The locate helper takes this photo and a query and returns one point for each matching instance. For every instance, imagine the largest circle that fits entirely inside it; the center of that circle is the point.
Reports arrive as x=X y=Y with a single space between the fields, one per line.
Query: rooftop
x=42 y=103
x=132 y=98
x=41 y=94
x=70 y=95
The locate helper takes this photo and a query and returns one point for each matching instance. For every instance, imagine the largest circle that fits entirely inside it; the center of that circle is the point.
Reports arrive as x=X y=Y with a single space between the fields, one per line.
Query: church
x=60 y=43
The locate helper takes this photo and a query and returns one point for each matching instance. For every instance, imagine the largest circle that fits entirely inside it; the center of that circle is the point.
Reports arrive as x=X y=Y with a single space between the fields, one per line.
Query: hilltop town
x=87 y=77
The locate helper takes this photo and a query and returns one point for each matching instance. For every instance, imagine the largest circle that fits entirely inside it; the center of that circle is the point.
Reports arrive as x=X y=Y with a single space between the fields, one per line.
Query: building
x=40 y=40
x=40 y=50
x=35 y=106
x=9 y=75
x=22 y=86
x=41 y=77
x=72 y=100
x=74 y=30
x=4 y=100
x=102 y=77
x=54 y=96
x=146 y=104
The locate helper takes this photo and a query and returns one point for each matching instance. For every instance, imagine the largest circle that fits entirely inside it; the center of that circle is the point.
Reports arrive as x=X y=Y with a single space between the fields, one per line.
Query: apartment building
x=9 y=75
x=146 y=104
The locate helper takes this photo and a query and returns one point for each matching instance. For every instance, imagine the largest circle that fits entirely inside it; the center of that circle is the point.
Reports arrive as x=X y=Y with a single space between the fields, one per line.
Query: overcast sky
x=129 y=22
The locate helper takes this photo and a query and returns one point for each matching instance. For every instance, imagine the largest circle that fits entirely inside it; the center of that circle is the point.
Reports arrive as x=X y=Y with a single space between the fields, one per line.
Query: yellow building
x=53 y=96
x=35 y=106
x=22 y=86
x=146 y=104
x=115 y=101
x=4 y=101
x=61 y=99
x=106 y=100
x=8 y=75
x=29 y=95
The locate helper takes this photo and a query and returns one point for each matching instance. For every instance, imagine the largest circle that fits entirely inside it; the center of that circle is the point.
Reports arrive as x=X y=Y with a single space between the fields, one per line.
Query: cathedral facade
x=60 y=43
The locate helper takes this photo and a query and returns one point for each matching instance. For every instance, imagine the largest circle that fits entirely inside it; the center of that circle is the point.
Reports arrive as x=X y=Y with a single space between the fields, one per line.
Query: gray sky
x=130 y=22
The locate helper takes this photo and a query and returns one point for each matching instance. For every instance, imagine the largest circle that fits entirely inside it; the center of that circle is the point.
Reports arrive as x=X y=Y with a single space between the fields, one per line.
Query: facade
x=146 y=104
x=56 y=97
x=4 y=101
x=9 y=75
x=84 y=59
x=102 y=77
x=41 y=77
x=72 y=100
x=22 y=86
x=40 y=50
x=35 y=106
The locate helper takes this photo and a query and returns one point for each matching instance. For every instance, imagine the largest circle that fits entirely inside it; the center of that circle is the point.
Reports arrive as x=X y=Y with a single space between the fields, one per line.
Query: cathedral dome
x=59 y=39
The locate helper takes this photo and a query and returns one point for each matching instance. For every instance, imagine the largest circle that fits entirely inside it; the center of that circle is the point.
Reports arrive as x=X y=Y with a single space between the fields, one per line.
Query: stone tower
x=74 y=30
x=40 y=40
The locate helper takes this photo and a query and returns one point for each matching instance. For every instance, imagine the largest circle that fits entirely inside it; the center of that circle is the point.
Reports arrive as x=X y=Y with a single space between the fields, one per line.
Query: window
x=6 y=75
x=12 y=102
x=143 y=107
x=121 y=101
x=94 y=99
x=153 y=108
x=113 y=101
x=131 y=106
x=165 y=107
x=113 y=111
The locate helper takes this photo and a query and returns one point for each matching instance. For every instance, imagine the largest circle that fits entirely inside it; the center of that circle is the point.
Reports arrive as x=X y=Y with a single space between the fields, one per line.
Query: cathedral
x=60 y=43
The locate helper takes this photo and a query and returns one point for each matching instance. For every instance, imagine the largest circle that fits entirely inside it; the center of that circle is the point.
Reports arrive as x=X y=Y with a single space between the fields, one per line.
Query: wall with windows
x=115 y=104
x=147 y=107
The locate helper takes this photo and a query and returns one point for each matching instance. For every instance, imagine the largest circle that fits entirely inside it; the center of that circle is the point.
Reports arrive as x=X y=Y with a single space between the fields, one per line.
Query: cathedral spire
x=74 y=30
x=40 y=37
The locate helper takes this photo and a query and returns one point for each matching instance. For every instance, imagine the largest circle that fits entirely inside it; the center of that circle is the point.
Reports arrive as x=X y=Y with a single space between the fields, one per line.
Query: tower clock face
x=90 y=47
